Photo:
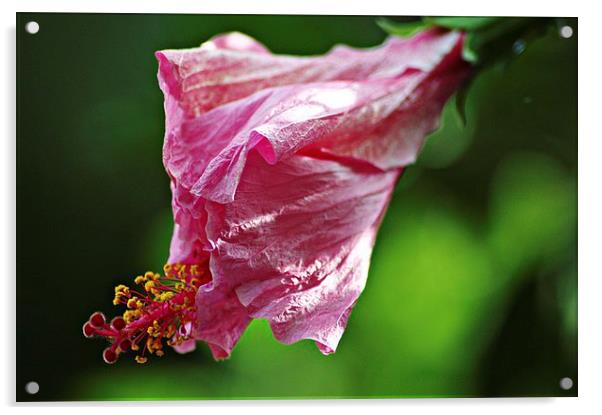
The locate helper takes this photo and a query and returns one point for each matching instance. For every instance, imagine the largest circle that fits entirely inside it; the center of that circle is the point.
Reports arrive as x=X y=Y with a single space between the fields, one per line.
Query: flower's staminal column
x=162 y=308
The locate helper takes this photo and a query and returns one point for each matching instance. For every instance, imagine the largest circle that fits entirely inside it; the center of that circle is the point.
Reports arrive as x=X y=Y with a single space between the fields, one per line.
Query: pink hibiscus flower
x=281 y=171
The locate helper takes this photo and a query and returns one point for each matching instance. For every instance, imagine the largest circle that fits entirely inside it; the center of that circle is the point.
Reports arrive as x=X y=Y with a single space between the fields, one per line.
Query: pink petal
x=188 y=345
x=228 y=68
x=294 y=246
x=381 y=122
x=221 y=320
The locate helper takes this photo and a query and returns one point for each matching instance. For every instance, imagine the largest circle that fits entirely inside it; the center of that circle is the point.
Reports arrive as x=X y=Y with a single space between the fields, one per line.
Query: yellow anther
x=133 y=302
x=122 y=289
x=171 y=330
x=139 y=279
x=131 y=315
x=166 y=268
x=164 y=296
x=149 y=285
x=149 y=344
x=141 y=359
x=134 y=347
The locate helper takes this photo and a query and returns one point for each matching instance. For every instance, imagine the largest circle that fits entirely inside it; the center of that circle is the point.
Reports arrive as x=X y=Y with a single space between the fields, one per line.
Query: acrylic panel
x=297 y=207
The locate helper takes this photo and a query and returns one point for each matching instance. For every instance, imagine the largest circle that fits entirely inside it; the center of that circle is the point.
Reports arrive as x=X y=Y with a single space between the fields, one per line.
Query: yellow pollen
x=141 y=359
x=165 y=296
x=122 y=289
x=149 y=344
x=131 y=315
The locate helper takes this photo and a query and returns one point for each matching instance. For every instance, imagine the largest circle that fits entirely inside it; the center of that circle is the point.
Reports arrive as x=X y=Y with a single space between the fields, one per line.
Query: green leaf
x=468 y=52
x=461 y=23
x=461 y=97
x=402 y=29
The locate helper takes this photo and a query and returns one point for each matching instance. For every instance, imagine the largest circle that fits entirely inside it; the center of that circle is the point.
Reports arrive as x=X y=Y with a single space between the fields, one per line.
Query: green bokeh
x=472 y=287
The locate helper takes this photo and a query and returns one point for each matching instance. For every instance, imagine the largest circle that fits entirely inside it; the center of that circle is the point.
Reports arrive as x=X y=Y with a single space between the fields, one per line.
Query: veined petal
x=221 y=319
x=295 y=246
x=206 y=154
x=232 y=66
x=381 y=122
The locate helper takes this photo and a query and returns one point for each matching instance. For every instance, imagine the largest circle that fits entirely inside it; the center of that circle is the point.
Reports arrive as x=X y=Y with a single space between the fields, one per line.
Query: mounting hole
x=32 y=28
x=566 y=383
x=32 y=388
x=566 y=32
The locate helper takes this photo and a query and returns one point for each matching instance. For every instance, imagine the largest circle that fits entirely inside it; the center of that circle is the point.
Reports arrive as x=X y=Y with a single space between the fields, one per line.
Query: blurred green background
x=473 y=284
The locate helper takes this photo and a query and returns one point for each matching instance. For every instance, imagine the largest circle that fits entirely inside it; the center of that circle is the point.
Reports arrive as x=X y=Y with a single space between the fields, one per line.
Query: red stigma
x=118 y=323
x=97 y=319
x=109 y=356
x=88 y=329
